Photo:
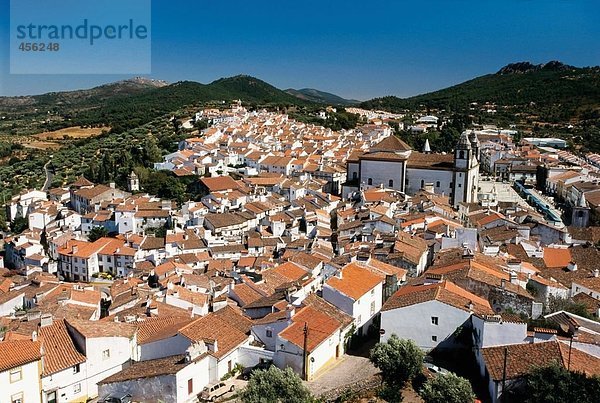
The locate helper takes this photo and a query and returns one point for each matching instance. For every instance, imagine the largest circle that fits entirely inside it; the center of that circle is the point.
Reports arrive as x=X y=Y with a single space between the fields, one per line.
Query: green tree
x=447 y=388
x=19 y=225
x=97 y=233
x=398 y=359
x=555 y=384
x=274 y=385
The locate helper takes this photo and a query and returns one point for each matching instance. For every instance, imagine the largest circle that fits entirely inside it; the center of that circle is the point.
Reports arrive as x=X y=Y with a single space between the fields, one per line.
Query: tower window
x=370 y=181
x=422 y=183
x=391 y=183
x=354 y=175
x=461 y=155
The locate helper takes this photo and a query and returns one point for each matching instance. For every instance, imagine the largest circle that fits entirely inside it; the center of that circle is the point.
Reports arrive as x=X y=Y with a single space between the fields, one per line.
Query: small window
x=433 y=338
x=460 y=185
x=354 y=175
x=18 y=398
x=269 y=333
x=105 y=354
x=422 y=183
x=51 y=397
x=76 y=369
x=77 y=388
x=461 y=155
x=391 y=183
x=437 y=184
x=370 y=181
x=16 y=374
x=359 y=319
x=373 y=291
x=372 y=308
x=190 y=386
x=434 y=320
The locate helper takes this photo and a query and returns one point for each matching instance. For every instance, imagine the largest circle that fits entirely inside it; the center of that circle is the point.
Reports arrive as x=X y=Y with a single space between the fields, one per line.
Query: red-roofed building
x=20 y=371
x=430 y=314
x=358 y=292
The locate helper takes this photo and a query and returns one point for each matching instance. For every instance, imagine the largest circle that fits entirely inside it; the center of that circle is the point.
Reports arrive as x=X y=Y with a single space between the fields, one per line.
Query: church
x=394 y=165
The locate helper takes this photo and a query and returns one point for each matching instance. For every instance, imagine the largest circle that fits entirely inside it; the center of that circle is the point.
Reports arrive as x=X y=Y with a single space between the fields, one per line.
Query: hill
x=554 y=90
x=131 y=103
x=321 y=97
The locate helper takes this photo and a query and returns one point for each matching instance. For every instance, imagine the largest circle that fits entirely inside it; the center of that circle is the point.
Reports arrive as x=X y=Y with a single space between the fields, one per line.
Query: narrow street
x=49 y=176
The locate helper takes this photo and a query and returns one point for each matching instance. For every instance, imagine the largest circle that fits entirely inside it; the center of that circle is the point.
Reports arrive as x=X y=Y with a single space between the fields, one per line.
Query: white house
x=20 y=371
x=176 y=378
x=356 y=291
x=430 y=314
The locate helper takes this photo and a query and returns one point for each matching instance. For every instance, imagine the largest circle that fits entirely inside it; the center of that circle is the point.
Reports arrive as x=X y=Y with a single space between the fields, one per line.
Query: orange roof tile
x=355 y=282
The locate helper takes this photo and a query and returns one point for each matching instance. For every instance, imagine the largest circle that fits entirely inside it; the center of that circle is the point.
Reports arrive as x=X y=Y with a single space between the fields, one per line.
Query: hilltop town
x=304 y=247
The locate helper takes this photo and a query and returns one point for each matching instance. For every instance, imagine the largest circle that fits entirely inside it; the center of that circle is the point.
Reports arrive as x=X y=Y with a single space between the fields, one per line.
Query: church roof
x=431 y=161
x=463 y=143
x=391 y=144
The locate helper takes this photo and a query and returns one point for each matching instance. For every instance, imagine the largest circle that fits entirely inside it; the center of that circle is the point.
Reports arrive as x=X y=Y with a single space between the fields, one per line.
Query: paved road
x=49 y=176
x=349 y=370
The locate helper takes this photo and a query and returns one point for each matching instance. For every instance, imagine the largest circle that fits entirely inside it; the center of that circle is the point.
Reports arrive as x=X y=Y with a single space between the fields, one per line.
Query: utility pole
x=305 y=353
x=504 y=374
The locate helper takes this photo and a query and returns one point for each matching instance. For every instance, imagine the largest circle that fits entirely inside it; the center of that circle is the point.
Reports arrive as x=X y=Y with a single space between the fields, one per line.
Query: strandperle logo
x=80 y=37
x=84 y=31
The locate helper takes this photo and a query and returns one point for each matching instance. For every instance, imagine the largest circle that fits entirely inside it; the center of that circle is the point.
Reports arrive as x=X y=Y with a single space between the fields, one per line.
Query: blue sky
x=355 y=49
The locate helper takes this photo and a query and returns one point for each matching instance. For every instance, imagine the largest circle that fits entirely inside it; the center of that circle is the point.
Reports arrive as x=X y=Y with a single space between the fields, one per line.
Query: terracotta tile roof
x=60 y=351
x=220 y=183
x=18 y=352
x=557 y=257
x=446 y=292
x=92 y=329
x=215 y=327
x=246 y=294
x=153 y=329
x=150 y=368
x=291 y=271
x=355 y=282
x=522 y=358
x=320 y=328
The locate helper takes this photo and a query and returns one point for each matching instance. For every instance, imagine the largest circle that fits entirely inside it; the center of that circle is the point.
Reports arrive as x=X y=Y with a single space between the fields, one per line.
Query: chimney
x=170 y=285
x=34 y=336
x=46 y=320
x=116 y=318
x=471 y=306
x=596 y=273
x=429 y=188
x=231 y=286
x=513 y=277
x=503 y=283
x=111 y=185
x=290 y=311
x=339 y=274
x=514 y=265
x=74 y=249
x=572 y=266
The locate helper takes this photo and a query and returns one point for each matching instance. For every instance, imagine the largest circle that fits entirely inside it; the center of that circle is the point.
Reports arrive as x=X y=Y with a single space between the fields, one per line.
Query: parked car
x=247 y=372
x=120 y=398
x=435 y=369
x=212 y=392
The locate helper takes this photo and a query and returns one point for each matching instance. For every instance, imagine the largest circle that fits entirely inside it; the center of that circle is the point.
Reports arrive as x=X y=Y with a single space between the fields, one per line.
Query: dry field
x=72 y=132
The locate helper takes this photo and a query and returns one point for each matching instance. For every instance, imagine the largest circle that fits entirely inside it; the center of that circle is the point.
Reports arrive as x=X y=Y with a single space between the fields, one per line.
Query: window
x=437 y=184
x=190 y=386
x=76 y=369
x=359 y=319
x=18 y=398
x=422 y=183
x=77 y=388
x=433 y=338
x=16 y=374
x=51 y=397
x=461 y=155
x=434 y=320
x=460 y=185
x=373 y=308
x=373 y=291
x=105 y=354
x=391 y=183
x=269 y=333
x=354 y=175
x=370 y=181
